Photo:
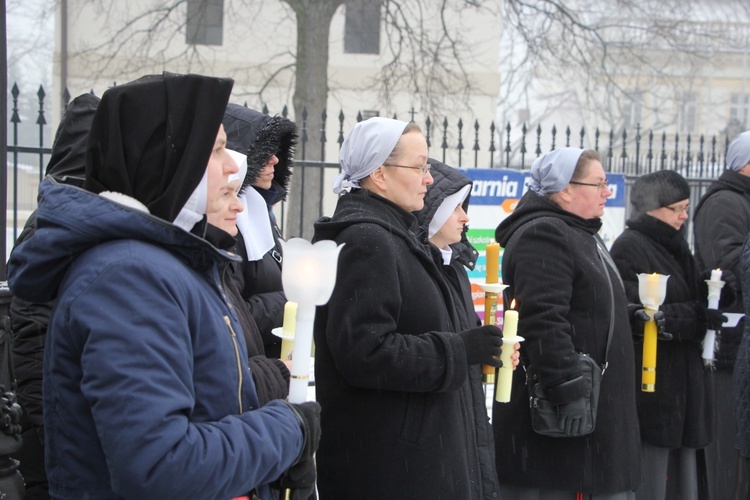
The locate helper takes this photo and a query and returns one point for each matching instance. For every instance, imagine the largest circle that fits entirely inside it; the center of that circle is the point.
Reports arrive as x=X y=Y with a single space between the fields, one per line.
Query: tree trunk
x=310 y=94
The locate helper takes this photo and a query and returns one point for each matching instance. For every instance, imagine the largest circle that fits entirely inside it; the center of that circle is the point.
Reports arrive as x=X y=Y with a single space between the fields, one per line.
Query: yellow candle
x=290 y=322
x=492 y=257
x=492 y=260
x=505 y=377
x=648 y=381
x=490 y=318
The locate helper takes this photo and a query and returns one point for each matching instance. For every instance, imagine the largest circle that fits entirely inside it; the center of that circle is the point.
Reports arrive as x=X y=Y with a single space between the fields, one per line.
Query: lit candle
x=652 y=288
x=716 y=275
x=648 y=380
x=287 y=338
x=492 y=260
x=505 y=377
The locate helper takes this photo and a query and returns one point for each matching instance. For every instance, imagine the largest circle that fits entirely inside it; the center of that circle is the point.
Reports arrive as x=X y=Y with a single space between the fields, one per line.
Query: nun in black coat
x=676 y=419
x=391 y=369
x=442 y=224
x=559 y=272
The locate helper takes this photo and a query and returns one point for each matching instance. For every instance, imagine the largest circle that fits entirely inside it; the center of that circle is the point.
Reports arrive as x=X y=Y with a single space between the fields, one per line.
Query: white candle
x=714 y=293
x=288 y=327
x=300 y=372
x=505 y=373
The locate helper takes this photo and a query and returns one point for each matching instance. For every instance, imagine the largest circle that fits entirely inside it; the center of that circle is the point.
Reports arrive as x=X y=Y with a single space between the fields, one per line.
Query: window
x=205 y=22
x=686 y=116
x=738 y=109
x=362 y=27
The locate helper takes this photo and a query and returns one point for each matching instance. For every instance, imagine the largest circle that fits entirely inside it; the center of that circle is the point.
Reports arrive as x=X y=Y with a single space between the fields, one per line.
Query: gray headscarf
x=552 y=171
x=367 y=146
x=738 y=154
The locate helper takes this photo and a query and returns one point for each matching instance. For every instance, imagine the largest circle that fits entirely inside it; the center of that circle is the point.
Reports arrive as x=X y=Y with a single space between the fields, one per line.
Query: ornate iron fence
x=697 y=157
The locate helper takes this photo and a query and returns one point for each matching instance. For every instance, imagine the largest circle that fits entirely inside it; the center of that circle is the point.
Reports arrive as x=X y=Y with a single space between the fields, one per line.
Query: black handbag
x=545 y=415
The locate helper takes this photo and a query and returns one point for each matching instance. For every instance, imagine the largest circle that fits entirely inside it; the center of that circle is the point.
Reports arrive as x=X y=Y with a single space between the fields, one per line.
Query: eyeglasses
x=424 y=169
x=679 y=210
x=601 y=186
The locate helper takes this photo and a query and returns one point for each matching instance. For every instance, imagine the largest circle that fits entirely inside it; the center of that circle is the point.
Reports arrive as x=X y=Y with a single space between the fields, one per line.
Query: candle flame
x=513 y=304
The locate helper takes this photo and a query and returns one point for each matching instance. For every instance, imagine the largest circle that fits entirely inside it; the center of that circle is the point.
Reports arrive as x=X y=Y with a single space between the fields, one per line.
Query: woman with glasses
x=391 y=372
x=675 y=419
x=570 y=301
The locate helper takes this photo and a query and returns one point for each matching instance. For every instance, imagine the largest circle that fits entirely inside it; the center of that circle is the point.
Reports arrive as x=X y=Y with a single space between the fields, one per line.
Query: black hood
x=446 y=181
x=259 y=136
x=534 y=206
x=151 y=139
x=68 y=158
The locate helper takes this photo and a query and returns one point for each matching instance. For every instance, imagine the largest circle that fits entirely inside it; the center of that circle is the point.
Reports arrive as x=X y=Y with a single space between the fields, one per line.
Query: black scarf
x=151 y=138
x=673 y=241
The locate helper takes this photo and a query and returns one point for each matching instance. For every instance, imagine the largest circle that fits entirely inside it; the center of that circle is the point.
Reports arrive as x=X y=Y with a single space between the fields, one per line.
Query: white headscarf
x=366 y=147
x=446 y=208
x=241 y=161
x=552 y=171
x=195 y=207
x=253 y=222
x=738 y=154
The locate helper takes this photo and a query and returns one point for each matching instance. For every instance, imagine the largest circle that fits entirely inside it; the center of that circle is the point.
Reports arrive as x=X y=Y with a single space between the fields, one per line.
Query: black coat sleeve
x=271 y=378
x=29 y=322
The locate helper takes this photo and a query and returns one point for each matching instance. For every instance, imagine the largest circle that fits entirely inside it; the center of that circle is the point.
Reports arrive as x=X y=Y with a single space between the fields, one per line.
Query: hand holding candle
x=652 y=288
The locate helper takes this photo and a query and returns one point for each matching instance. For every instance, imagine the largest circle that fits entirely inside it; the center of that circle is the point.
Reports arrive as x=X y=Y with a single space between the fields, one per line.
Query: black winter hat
x=658 y=189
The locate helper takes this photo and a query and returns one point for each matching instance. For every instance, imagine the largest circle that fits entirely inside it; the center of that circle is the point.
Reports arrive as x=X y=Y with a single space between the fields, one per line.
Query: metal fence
x=698 y=157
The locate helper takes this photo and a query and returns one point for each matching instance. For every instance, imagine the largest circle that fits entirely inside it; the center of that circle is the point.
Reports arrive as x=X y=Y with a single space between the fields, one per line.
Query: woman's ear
x=565 y=195
x=379 y=179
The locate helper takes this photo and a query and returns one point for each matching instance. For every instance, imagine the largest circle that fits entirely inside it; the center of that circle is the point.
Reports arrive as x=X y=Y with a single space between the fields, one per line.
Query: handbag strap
x=604 y=258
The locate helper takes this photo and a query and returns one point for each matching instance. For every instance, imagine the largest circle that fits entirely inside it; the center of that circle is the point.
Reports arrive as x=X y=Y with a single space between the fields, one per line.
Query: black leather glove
x=639 y=316
x=483 y=345
x=300 y=478
x=571 y=416
x=714 y=319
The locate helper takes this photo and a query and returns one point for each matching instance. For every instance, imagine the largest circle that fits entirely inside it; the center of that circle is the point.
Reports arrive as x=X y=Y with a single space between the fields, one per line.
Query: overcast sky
x=31 y=37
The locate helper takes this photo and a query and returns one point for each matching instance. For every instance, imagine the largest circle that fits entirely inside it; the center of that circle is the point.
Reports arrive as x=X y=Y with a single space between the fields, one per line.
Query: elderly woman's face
x=589 y=194
x=220 y=167
x=405 y=181
x=675 y=214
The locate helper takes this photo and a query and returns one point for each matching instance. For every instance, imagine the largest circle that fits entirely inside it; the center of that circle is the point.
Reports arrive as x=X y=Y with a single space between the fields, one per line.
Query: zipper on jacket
x=237 y=357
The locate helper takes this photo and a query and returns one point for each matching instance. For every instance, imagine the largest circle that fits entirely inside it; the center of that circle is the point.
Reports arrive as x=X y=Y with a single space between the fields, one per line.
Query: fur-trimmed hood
x=259 y=136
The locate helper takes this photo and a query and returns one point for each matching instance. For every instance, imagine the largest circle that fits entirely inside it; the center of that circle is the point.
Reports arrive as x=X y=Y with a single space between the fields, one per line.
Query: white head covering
x=366 y=147
x=253 y=222
x=241 y=161
x=195 y=207
x=738 y=154
x=446 y=208
x=552 y=171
